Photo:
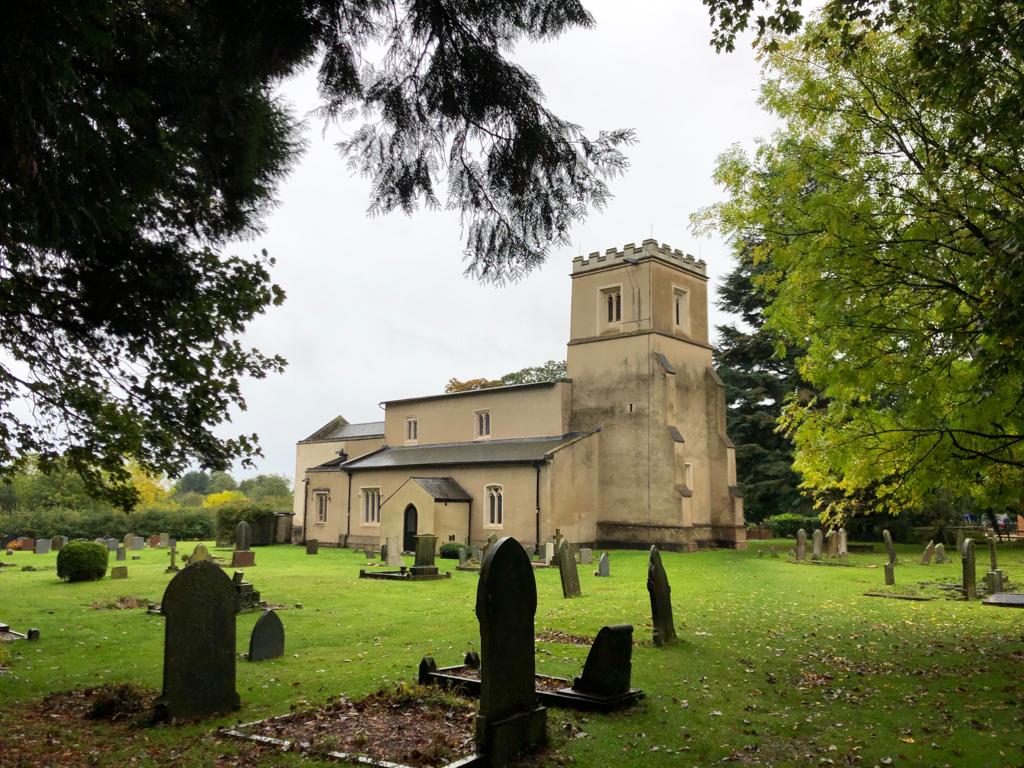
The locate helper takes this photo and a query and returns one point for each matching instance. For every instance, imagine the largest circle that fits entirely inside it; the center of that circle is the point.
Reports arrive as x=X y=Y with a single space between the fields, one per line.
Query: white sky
x=377 y=308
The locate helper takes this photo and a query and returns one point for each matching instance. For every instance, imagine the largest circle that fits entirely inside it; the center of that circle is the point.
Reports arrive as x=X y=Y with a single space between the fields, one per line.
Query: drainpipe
x=305 y=506
x=348 y=514
x=536 y=546
x=469 y=524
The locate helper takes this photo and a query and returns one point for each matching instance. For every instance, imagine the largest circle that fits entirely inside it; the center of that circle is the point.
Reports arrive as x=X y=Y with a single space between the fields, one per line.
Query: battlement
x=648 y=249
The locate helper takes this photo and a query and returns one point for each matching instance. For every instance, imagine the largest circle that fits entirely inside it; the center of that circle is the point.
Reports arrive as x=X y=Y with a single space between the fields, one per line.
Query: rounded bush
x=82 y=561
x=450 y=550
x=786 y=525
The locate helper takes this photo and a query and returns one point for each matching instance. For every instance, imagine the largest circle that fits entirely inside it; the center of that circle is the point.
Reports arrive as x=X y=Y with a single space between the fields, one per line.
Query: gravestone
x=833 y=543
x=243 y=559
x=608 y=669
x=242 y=536
x=557 y=538
x=369 y=552
x=567 y=570
x=586 y=556
x=121 y=554
x=970 y=576
x=890 y=574
x=801 y=544
x=153 y=541
x=940 y=553
x=312 y=546
x=119 y=572
x=42 y=546
x=173 y=567
x=603 y=566
x=476 y=553
x=491 y=541
x=129 y=539
x=138 y=543
x=199 y=644
x=267 y=638
x=394 y=553
x=113 y=544
x=816 y=544
x=463 y=556
x=661 y=600
x=843 y=548
x=27 y=544
x=200 y=554
x=994 y=579
x=993 y=563
x=890 y=548
x=549 y=552
x=426 y=546
x=509 y=722
x=165 y=540
x=384 y=552
x=59 y=542
x=929 y=551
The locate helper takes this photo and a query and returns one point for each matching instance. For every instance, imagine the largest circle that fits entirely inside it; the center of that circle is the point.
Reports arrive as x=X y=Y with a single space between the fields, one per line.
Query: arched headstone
x=200 y=554
x=603 y=566
x=801 y=544
x=816 y=541
x=926 y=558
x=568 y=571
x=267 y=638
x=199 y=644
x=242 y=536
x=661 y=600
x=608 y=668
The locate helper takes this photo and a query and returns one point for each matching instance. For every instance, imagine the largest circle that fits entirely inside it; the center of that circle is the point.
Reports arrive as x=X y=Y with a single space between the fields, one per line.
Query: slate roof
x=517 y=451
x=443 y=488
x=339 y=429
x=483 y=391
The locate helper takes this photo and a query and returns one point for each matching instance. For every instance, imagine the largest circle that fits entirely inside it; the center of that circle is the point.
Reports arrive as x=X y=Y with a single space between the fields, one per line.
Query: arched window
x=494 y=505
x=612 y=298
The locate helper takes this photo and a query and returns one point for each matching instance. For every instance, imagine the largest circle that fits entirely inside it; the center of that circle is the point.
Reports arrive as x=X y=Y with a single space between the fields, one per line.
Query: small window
x=688 y=475
x=371 y=506
x=411 y=431
x=483 y=423
x=495 y=506
x=320 y=503
x=681 y=308
x=612 y=298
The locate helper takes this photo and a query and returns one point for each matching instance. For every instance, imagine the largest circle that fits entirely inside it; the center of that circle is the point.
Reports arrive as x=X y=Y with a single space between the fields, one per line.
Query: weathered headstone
x=801 y=544
x=242 y=536
x=890 y=548
x=199 y=554
x=153 y=541
x=929 y=551
x=243 y=559
x=129 y=539
x=586 y=556
x=816 y=540
x=43 y=546
x=993 y=562
x=58 y=542
x=426 y=547
x=165 y=540
x=267 y=638
x=463 y=556
x=384 y=552
x=113 y=544
x=121 y=554
x=394 y=552
x=549 y=552
x=476 y=553
x=608 y=669
x=369 y=552
x=994 y=579
x=661 y=600
x=199 y=643
x=603 y=566
x=119 y=572
x=509 y=722
x=312 y=546
x=568 y=571
x=843 y=548
x=833 y=543
x=138 y=543
x=890 y=574
x=970 y=576
x=940 y=553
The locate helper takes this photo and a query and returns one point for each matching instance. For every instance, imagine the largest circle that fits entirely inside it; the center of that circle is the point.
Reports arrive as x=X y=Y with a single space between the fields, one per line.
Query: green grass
x=779 y=663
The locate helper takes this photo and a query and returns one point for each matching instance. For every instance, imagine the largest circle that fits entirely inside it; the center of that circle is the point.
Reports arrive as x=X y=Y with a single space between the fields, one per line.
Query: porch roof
x=443 y=488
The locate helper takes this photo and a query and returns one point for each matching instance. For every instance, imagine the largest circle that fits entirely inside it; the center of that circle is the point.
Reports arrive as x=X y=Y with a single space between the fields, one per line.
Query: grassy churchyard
x=778 y=663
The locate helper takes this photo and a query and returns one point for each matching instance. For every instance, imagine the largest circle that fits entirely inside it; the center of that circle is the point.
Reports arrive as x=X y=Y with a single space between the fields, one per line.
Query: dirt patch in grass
x=120 y=703
x=555 y=636
x=413 y=725
x=123 y=603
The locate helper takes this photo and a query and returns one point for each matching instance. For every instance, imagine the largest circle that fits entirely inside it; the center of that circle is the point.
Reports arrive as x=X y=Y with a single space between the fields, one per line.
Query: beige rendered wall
x=335 y=483
x=313 y=453
x=569 y=497
x=526 y=412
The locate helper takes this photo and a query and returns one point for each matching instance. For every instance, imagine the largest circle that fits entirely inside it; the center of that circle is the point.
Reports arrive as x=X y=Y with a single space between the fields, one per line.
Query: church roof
x=516 y=451
x=339 y=429
x=443 y=488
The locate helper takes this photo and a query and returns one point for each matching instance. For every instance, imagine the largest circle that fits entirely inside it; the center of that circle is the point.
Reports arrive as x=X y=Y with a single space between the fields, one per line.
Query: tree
x=552 y=370
x=136 y=139
x=757 y=384
x=264 y=487
x=193 y=482
x=888 y=213
x=223 y=497
x=221 y=481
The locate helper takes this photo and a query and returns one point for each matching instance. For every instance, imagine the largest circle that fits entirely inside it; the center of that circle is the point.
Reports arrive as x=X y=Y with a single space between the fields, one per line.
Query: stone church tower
x=640 y=364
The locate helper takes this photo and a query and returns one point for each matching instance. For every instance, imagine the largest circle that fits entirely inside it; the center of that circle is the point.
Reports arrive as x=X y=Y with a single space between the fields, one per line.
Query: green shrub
x=450 y=550
x=787 y=524
x=257 y=514
x=82 y=561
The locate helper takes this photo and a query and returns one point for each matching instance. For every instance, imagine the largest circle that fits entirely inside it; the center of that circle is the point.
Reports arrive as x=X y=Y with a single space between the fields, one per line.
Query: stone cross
x=970 y=584
x=801 y=544
x=940 y=553
x=394 y=553
x=890 y=574
x=926 y=558
x=843 y=549
x=661 y=600
x=608 y=669
x=567 y=569
x=603 y=566
x=890 y=548
x=173 y=567
x=242 y=536
x=267 y=638
x=816 y=544
x=509 y=722
x=199 y=644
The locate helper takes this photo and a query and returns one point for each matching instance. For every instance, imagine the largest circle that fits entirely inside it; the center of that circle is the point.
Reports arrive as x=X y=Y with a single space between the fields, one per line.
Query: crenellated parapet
x=648 y=249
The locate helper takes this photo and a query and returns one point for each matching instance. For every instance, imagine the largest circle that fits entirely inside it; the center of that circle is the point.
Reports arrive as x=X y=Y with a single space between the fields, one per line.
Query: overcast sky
x=378 y=308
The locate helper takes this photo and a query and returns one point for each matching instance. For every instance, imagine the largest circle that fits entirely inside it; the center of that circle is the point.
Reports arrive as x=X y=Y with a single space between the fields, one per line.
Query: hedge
x=787 y=524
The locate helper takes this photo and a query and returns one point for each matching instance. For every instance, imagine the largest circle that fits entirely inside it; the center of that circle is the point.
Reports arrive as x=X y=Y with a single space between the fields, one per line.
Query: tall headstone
x=267 y=638
x=165 y=540
x=801 y=544
x=568 y=571
x=816 y=540
x=890 y=548
x=129 y=539
x=59 y=542
x=426 y=548
x=833 y=543
x=200 y=554
x=994 y=578
x=199 y=643
x=43 y=546
x=843 y=548
x=509 y=722
x=929 y=551
x=603 y=566
x=940 y=553
x=970 y=584
x=549 y=552
x=890 y=574
x=608 y=669
x=121 y=554
x=661 y=600
x=242 y=536
x=394 y=552
x=312 y=546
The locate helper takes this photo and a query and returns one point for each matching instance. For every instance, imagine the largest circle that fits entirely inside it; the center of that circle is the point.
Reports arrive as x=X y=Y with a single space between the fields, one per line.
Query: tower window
x=483 y=423
x=611 y=298
x=495 y=505
x=681 y=308
x=411 y=430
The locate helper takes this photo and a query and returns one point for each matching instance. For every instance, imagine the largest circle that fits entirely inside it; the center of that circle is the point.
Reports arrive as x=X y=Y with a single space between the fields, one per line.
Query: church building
x=627 y=451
